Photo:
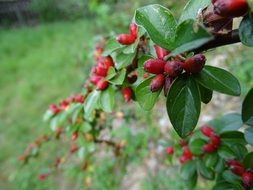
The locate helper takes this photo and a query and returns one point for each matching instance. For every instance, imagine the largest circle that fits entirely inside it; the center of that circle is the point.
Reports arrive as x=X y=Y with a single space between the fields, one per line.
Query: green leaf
x=223 y=186
x=196 y=146
x=188 y=169
x=246 y=30
x=240 y=151
x=228 y=122
x=247 y=109
x=219 y=80
x=192 y=39
x=111 y=46
x=206 y=172
x=119 y=78
x=111 y=73
x=226 y=152
x=233 y=137
x=220 y=166
x=144 y=96
x=248 y=134
x=183 y=105
x=122 y=60
x=192 y=9
x=248 y=160
x=85 y=127
x=211 y=160
x=107 y=99
x=206 y=94
x=230 y=177
x=250 y=3
x=159 y=23
x=192 y=181
x=91 y=103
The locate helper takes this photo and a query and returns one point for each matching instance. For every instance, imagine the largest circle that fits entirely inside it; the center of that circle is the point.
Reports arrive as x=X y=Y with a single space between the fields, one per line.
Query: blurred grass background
x=50 y=61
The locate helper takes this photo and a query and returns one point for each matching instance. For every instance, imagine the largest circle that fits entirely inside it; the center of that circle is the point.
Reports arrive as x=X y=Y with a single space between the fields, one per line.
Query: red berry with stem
x=160 y=52
x=157 y=83
x=207 y=131
x=102 y=85
x=125 y=39
x=230 y=8
x=133 y=29
x=154 y=66
x=173 y=68
x=247 y=178
x=127 y=93
x=194 y=64
x=169 y=150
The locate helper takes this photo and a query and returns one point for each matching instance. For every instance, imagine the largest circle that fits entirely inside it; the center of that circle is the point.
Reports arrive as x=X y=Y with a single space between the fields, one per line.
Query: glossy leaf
x=219 y=80
x=183 y=105
x=205 y=172
x=188 y=169
x=248 y=134
x=247 y=109
x=119 y=78
x=206 y=94
x=225 y=152
x=91 y=103
x=196 y=146
x=107 y=99
x=248 y=160
x=246 y=30
x=111 y=46
x=231 y=137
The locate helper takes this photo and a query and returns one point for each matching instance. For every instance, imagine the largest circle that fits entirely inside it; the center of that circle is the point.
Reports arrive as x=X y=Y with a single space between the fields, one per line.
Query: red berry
x=54 y=108
x=233 y=163
x=215 y=140
x=73 y=149
x=79 y=99
x=209 y=148
x=42 y=177
x=173 y=68
x=247 y=178
x=64 y=104
x=125 y=39
x=160 y=52
x=207 y=131
x=127 y=93
x=194 y=64
x=154 y=66
x=105 y=62
x=74 y=136
x=230 y=8
x=238 y=170
x=167 y=84
x=102 y=85
x=182 y=143
x=133 y=29
x=101 y=71
x=157 y=83
x=132 y=79
x=94 y=79
x=169 y=150
x=187 y=152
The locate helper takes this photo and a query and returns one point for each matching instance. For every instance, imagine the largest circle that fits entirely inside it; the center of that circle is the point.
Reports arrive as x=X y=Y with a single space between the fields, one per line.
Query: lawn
x=38 y=65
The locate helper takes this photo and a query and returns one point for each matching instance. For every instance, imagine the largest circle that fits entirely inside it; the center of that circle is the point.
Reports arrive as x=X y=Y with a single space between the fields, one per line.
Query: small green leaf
x=211 y=160
x=91 y=103
x=188 y=169
x=85 y=127
x=206 y=172
x=246 y=30
x=111 y=46
x=196 y=146
x=119 y=78
x=233 y=137
x=107 y=99
x=230 y=177
x=192 y=8
x=220 y=166
x=111 y=73
x=144 y=96
x=183 y=105
x=225 y=152
x=219 y=80
x=122 y=60
x=240 y=150
x=248 y=160
x=248 y=134
x=159 y=23
x=247 y=109
x=206 y=94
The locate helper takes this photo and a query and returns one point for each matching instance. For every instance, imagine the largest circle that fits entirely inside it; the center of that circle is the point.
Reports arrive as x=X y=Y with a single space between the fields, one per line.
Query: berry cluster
x=64 y=104
x=214 y=139
x=237 y=168
x=128 y=39
x=167 y=71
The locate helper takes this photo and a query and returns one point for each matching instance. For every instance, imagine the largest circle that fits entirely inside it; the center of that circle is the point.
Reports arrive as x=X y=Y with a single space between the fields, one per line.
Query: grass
x=38 y=65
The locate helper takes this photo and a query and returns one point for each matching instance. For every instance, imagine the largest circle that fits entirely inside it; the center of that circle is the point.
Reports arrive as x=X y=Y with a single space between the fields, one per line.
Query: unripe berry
x=94 y=79
x=125 y=39
x=230 y=8
x=173 y=68
x=127 y=93
x=237 y=170
x=157 y=83
x=133 y=29
x=194 y=64
x=209 y=148
x=154 y=66
x=247 y=178
x=207 y=131
x=160 y=52
x=169 y=150
x=215 y=140
x=102 y=85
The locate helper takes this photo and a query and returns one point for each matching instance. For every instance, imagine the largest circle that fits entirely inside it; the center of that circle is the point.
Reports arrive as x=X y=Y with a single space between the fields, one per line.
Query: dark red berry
x=64 y=104
x=237 y=170
x=125 y=39
x=101 y=71
x=133 y=29
x=127 y=93
x=42 y=177
x=230 y=163
x=207 y=131
x=247 y=178
x=173 y=68
x=167 y=84
x=194 y=64
x=102 y=85
x=54 y=108
x=187 y=152
x=209 y=148
x=74 y=136
x=160 y=52
x=157 y=83
x=230 y=8
x=169 y=150
x=154 y=66
x=94 y=79
x=132 y=79
x=182 y=143
x=79 y=99
x=215 y=140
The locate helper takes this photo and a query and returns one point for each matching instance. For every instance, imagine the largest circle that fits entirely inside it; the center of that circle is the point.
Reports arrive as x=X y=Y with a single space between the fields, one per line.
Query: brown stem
x=220 y=40
x=108 y=142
